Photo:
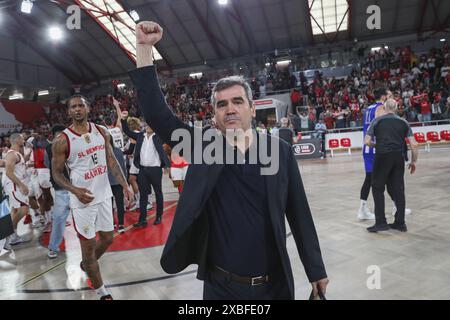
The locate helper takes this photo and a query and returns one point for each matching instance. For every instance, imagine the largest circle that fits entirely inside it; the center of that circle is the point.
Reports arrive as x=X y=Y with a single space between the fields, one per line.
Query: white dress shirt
x=149 y=155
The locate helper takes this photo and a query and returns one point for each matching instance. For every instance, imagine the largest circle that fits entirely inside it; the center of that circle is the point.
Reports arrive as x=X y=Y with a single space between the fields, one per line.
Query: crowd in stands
x=419 y=83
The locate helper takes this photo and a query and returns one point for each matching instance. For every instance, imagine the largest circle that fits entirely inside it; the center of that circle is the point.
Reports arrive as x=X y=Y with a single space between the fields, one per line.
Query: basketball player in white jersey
x=14 y=183
x=86 y=151
x=115 y=130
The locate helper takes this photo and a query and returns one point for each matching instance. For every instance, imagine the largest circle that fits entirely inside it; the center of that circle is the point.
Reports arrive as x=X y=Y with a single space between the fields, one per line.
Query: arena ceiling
x=199 y=31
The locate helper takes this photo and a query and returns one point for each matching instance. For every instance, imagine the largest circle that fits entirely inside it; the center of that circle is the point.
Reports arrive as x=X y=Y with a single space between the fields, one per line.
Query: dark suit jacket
x=139 y=137
x=188 y=239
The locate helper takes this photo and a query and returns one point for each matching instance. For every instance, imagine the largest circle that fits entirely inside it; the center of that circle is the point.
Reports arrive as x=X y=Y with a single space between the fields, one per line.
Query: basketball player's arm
x=368 y=139
x=10 y=163
x=118 y=112
x=59 y=158
x=2 y=163
x=113 y=165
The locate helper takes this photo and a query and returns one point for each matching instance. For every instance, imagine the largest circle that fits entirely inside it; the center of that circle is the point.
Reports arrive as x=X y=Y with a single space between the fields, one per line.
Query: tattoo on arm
x=59 y=150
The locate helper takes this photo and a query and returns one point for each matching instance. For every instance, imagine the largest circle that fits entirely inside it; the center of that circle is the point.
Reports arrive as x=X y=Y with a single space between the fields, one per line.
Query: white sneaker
x=7 y=245
x=15 y=240
x=52 y=254
x=407 y=211
x=364 y=214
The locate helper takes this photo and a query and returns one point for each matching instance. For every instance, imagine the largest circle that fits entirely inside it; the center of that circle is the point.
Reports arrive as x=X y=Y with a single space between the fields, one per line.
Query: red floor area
x=136 y=238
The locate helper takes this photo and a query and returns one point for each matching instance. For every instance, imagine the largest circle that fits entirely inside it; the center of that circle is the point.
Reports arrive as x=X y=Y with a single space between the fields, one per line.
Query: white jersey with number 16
x=86 y=160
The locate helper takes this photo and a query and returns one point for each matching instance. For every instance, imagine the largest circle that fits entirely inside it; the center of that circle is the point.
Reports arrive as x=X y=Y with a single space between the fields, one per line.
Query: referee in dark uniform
x=390 y=131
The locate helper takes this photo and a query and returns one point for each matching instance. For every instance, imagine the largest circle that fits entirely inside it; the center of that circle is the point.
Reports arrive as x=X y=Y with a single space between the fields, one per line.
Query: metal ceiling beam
x=436 y=22
x=306 y=8
x=421 y=15
x=87 y=48
x=177 y=17
x=65 y=50
x=286 y=23
x=350 y=24
x=238 y=38
x=340 y=24
x=211 y=37
x=235 y=14
x=41 y=52
x=219 y=27
x=266 y=23
x=108 y=32
x=397 y=10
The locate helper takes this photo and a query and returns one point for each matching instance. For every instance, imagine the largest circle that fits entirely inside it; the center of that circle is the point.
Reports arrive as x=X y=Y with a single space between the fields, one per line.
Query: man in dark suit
x=150 y=159
x=230 y=218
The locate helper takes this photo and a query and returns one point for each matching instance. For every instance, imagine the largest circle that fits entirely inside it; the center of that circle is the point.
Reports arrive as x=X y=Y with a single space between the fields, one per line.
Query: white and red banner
x=14 y=113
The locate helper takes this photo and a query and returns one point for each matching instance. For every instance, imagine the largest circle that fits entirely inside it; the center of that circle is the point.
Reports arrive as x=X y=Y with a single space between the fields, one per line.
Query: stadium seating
x=420 y=138
x=347 y=143
x=333 y=144
x=445 y=135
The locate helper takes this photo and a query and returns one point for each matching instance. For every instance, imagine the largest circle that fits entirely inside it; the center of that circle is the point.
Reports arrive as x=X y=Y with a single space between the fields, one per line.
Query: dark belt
x=251 y=281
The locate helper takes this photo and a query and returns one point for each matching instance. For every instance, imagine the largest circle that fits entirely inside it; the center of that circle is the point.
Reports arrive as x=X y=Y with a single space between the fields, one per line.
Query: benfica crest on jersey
x=87 y=138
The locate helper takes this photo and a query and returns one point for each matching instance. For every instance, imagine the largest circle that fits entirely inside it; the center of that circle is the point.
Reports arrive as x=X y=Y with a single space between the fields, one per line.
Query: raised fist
x=148 y=33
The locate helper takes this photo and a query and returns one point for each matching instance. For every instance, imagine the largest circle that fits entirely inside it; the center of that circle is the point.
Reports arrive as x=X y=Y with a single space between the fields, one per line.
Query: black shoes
x=140 y=224
x=378 y=228
x=399 y=227
x=107 y=297
x=157 y=220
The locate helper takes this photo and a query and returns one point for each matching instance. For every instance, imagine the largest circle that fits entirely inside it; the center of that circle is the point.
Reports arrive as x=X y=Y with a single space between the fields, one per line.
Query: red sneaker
x=27 y=219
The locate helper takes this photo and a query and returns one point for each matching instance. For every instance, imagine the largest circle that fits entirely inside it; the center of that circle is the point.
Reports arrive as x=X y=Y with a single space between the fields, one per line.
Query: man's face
x=232 y=109
x=148 y=129
x=78 y=109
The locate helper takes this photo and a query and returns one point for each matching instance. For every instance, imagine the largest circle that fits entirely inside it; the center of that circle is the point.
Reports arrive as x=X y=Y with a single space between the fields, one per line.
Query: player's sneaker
x=52 y=254
x=121 y=229
x=7 y=245
x=15 y=240
x=407 y=211
x=365 y=214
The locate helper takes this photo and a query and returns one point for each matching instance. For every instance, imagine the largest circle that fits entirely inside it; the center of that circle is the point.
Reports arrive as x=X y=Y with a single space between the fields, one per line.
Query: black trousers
x=389 y=169
x=220 y=287
x=150 y=177
x=117 y=191
x=365 y=189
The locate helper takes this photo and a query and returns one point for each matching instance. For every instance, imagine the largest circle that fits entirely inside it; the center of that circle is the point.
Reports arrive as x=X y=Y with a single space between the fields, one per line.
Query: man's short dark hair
x=80 y=96
x=378 y=93
x=229 y=82
x=108 y=121
x=57 y=128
